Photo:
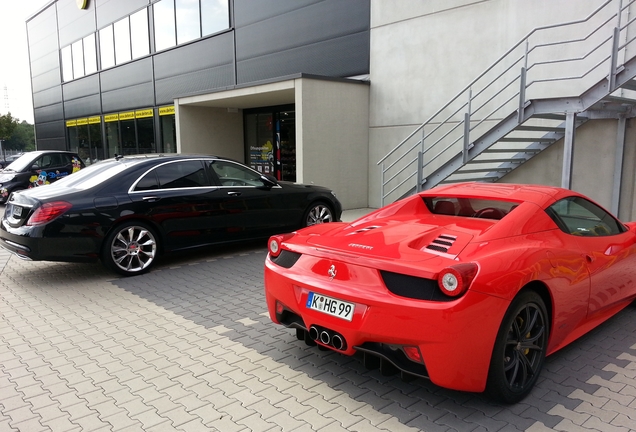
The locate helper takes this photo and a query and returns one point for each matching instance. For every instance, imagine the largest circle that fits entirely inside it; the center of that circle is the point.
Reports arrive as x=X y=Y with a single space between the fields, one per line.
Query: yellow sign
x=94 y=120
x=111 y=117
x=82 y=122
x=167 y=110
x=130 y=115
x=82 y=4
x=71 y=123
x=144 y=113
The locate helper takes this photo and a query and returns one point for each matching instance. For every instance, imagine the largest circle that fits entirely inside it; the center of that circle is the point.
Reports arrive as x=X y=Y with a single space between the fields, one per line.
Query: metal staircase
x=542 y=89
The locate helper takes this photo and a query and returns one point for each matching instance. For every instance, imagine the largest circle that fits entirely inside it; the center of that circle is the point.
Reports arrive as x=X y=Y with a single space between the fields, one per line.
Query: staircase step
x=527 y=139
x=510 y=150
x=504 y=160
x=541 y=128
x=472 y=179
x=629 y=85
x=482 y=170
x=550 y=116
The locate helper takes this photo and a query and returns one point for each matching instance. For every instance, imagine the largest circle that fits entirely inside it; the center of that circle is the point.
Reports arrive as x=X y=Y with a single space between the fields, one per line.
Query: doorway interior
x=270 y=140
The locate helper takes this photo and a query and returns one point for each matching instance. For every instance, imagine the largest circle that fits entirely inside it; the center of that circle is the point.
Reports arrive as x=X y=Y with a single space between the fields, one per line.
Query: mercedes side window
x=182 y=174
x=578 y=216
x=231 y=174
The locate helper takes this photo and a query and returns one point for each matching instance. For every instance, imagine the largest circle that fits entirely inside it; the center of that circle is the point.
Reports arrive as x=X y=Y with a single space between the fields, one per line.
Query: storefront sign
x=144 y=113
x=127 y=115
x=71 y=123
x=111 y=117
x=167 y=110
x=94 y=120
x=82 y=122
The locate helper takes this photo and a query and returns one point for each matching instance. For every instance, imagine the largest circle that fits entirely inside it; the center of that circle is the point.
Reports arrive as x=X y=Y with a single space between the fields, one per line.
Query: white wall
x=212 y=131
x=423 y=52
x=332 y=124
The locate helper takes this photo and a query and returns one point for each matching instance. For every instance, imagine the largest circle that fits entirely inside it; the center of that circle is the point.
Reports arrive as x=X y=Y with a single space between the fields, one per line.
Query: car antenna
x=117 y=157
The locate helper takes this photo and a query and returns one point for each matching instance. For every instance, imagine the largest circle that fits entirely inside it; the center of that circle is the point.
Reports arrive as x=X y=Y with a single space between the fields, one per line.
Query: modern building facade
x=315 y=91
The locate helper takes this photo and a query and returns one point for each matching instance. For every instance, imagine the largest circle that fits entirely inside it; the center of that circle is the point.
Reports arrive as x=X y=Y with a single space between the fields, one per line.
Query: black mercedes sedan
x=128 y=210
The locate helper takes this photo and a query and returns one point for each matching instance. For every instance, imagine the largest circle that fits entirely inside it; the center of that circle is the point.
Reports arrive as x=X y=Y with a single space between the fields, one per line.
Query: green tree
x=8 y=123
x=22 y=139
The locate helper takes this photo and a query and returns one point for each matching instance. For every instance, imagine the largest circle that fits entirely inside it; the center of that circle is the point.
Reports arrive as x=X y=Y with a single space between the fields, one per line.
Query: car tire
x=317 y=213
x=519 y=350
x=130 y=248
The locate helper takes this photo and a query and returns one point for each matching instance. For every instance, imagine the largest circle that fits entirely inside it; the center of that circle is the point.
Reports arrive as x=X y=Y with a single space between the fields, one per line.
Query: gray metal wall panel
x=130 y=74
x=205 y=54
x=43 y=25
x=86 y=86
x=51 y=143
x=109 y=11
x=46 y=64
x=47 y=97
x=82 y=107
x=46 y=80
x=193 y=83
x=43 y=47
x=246 y=13
x=48 y=114
x=50 y=130
x=321 y=21
x=74 y=23
x=138 y=96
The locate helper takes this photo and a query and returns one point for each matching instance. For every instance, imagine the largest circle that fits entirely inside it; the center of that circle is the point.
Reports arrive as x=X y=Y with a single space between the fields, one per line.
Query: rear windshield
x=469 y=207
x=92 y=175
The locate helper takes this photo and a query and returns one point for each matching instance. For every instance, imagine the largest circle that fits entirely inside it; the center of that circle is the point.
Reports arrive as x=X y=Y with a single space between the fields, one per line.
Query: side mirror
x=269 y=180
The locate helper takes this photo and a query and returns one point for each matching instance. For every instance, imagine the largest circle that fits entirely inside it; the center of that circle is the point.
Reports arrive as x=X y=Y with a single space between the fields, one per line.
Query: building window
x=139 y=36
x=90 y=54
x=122 y=41
x=164 y=23
x=215 y=16
x=77 y=51
x=67 y=64
x=188 y=20
x=107 y=47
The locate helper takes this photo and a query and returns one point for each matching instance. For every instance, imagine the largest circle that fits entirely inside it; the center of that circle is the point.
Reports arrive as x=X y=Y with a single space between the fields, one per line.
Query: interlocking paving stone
x=190 y=346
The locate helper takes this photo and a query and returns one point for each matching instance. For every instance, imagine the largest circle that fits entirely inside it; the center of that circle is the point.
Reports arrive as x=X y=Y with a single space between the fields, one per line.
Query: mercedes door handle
x=151 y=198
x=234 y=193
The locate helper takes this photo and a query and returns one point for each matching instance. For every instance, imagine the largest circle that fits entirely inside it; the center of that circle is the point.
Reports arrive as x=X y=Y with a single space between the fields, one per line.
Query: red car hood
x=412 y=240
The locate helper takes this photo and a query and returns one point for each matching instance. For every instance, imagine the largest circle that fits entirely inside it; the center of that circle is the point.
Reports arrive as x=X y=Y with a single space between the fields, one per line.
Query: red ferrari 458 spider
x=470 y=285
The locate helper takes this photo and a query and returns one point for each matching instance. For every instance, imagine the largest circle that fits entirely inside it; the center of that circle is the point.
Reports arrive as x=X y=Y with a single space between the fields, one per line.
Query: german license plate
x=330 y=306
x=16 y=211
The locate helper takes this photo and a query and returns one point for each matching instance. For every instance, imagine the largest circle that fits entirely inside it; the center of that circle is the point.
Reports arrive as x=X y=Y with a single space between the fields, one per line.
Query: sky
x=14 y=59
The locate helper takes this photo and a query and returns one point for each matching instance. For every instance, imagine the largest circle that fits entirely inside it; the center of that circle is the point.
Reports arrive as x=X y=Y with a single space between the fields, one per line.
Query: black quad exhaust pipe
x=327 y=337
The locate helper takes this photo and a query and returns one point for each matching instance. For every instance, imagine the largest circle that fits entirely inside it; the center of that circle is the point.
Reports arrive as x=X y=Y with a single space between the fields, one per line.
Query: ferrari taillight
x=413 y=353
x=274 y=243
x=455 y=280
x=47 y=212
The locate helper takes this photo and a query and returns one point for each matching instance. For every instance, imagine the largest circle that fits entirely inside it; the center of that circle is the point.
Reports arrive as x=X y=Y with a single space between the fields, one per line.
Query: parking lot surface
x=189 y=346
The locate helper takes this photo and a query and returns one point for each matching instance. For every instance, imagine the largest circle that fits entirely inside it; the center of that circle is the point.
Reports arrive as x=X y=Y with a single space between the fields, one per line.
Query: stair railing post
x=420 y=160
x=382 y=186
x=522 y=96
x=614 y=60
x=467 y=126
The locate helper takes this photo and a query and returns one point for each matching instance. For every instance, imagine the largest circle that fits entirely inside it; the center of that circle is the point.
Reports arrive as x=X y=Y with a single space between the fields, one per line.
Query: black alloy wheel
x=520 y=349
x=130 y=249
x=317 y=213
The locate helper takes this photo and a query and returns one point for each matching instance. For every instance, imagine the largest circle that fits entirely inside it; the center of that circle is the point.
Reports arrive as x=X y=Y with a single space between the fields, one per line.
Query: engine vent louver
x=442 y=243
x=369 y=228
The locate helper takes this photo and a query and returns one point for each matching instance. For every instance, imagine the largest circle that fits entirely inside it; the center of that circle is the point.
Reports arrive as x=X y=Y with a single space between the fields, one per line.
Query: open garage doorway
x=270 y=140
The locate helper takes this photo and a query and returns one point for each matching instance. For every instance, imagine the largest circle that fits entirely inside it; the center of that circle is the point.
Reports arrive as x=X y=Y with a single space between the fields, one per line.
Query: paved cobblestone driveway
x=190 y=347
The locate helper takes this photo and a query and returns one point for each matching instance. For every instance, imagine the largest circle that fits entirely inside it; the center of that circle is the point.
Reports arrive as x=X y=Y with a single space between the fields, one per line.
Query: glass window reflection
x=90 y=54
x=215 y=16
x=78 y=59
x=188 y=20
x=139 y=34
x=107 y=47
x=122 y=41
x=67 y=64
x=165 y=36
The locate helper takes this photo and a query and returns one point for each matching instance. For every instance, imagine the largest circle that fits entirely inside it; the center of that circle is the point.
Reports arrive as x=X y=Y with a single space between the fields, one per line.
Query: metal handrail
x=487 y=91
